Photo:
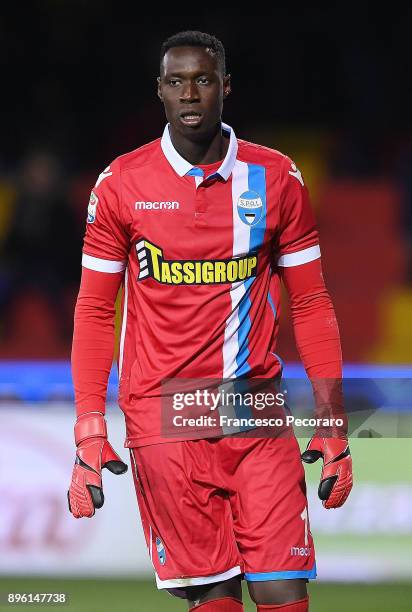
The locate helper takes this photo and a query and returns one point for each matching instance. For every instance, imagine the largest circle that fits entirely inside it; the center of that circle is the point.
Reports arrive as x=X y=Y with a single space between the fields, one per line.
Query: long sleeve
x=314 y=321
x=93 y=339
x=317 y=339
x=105 y=252
x=313 y=316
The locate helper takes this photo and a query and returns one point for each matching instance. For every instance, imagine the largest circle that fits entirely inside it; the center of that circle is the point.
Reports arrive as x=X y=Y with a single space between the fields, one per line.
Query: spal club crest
x=250 y=207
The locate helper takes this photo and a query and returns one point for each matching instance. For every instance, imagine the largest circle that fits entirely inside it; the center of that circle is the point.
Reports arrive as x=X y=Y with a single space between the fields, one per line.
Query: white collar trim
x=182 y=166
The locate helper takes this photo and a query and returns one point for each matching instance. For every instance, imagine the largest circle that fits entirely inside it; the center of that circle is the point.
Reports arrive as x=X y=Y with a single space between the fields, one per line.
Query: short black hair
x=193 y=38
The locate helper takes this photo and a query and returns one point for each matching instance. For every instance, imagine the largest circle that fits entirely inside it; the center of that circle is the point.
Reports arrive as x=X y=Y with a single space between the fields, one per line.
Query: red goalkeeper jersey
x=201 y=248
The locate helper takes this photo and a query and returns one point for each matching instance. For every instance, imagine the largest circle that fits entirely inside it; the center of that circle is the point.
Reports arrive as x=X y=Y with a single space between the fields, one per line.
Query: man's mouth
x=190 y=117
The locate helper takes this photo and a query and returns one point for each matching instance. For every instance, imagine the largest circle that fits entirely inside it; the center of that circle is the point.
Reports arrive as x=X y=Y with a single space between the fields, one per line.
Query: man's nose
x=190 y=92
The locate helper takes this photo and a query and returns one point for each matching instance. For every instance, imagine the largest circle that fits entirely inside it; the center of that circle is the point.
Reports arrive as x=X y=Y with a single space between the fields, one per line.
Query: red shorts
x=213 y=509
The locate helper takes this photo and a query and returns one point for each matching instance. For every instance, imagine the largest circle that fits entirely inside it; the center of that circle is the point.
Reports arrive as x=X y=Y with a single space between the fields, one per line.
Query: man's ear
x=227 y=87
x=159 y=88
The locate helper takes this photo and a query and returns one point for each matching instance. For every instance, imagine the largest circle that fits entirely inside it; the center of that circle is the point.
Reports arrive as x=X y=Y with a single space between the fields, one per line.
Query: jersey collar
x=182 y=166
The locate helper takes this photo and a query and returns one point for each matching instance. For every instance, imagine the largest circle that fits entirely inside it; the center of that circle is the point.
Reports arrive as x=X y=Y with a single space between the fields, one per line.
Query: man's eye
x=203 y=80
x=174 y=82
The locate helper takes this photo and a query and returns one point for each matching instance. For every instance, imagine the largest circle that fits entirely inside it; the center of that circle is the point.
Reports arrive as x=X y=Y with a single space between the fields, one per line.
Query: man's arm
x=104 y=260
x=317 y=339
x=314 y=321
x=93 y=338
x=316 y=333
x=92 y=356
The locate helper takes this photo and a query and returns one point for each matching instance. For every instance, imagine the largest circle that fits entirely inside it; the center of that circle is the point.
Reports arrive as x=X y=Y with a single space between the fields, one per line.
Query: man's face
x=192 y=88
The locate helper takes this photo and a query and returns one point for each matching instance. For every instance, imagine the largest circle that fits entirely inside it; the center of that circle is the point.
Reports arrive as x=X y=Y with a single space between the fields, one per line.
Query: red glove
x=336 y=479
x=94 y=452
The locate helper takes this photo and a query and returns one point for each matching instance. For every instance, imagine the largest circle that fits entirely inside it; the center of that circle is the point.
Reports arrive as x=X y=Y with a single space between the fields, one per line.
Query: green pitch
x=142 y=596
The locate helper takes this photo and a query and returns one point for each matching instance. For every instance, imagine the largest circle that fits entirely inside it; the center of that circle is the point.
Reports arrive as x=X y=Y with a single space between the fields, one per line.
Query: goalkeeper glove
x=336 y=479
x=94 y=452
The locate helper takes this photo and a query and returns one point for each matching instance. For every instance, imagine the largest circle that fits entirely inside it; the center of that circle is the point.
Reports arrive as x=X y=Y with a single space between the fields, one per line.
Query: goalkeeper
x=200 y=228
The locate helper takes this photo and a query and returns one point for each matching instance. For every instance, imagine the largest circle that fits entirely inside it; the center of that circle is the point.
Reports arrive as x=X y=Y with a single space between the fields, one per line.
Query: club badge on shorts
x=161 y=553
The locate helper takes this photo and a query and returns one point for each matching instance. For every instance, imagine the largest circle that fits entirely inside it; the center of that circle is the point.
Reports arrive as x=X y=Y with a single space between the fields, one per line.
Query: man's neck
x=208 y=151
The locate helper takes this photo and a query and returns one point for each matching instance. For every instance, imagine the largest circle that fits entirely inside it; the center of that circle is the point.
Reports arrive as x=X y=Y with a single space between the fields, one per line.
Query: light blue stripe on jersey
x=286 y=575
x=256 y=182
x=273 y=307
x=243 y=331
x=242 y=410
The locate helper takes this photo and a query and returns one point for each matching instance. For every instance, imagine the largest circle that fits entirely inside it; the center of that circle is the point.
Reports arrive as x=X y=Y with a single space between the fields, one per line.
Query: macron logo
x=303 y=551
x=156 y=205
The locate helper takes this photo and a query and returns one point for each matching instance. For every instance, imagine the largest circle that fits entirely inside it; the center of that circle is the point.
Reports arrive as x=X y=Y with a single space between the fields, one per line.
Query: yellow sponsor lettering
x=242 y=269
x=220 y=272
x=156 y=254
x=166 y=277
x=207 y=272
x=177 y=275
x=251 y=265
x=231 y=271
x=188 y=274
x=197 y=271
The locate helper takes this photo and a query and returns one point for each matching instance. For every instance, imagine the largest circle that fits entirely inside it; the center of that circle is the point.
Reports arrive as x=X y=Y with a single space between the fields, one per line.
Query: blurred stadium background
x=331 y=92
